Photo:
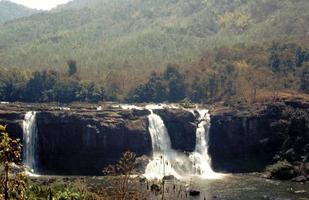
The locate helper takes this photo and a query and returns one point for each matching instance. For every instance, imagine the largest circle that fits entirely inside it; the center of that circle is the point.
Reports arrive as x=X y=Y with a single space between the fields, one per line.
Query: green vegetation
x=11 y=11
x=236 y=74
x=232 y=50
x=118 y=34
x=120 y=177
x=248 y=73
x=170 y=86
x=49 y=85
x=14 y=186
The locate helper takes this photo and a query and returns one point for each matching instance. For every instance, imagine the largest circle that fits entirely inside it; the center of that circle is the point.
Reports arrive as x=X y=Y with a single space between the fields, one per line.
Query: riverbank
x=231 y=187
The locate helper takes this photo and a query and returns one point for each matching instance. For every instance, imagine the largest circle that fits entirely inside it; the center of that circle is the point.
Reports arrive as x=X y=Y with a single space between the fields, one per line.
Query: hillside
x=10 y=11
x=144 y=34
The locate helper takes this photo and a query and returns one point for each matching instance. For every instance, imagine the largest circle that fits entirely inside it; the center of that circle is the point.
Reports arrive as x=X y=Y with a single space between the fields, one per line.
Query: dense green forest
x=11 y=11
x=105 y=35
x=238 y=73
x=156 y=51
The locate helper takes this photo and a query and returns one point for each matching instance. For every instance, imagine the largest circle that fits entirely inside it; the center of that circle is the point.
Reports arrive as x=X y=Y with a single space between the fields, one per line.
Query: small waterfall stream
x=200 y=158
x=30 y=133
x=163 y=154
x=167 y=161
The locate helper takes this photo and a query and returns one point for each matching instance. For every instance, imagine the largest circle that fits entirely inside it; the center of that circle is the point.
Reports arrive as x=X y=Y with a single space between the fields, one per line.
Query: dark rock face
x=83 y=140
x=84 y=143
x=73 y=143
x=238 y=144
x=181 y=126
x=14 y=122
x=249 y=139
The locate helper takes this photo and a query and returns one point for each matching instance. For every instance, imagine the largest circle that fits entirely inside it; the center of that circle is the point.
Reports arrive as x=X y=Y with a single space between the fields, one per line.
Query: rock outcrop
x=82 y=140
x=14 y=121
x=86 y=143
x=248 y=139
x=181 y=126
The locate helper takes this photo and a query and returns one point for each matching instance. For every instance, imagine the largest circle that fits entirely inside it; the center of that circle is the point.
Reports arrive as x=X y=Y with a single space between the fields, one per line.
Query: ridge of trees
x=117 y=34
x=237 y=73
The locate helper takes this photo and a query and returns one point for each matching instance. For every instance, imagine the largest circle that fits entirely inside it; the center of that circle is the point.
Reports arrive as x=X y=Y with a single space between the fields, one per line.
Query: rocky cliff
x=181 y=126
x=83 y=140
x=84 y=143
x=248 y=139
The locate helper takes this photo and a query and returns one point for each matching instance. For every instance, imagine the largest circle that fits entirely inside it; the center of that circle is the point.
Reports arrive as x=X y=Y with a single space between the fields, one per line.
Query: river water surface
x=247 y=187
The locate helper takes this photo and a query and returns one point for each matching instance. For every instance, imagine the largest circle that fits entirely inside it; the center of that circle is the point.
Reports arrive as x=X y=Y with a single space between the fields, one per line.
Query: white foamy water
x=200 y=158
x=161 y=164
x=148 y=106
x=167 y=161
x=30 y=133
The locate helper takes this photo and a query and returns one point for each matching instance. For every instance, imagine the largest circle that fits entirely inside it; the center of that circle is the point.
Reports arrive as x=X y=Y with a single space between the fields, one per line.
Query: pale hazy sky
x=41 y=4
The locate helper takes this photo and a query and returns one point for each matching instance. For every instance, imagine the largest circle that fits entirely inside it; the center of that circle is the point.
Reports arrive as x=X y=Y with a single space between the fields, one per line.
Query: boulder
x=169 y=178
x=155 y=188
x=300 y=179
x=282 y=170
x=194 y=193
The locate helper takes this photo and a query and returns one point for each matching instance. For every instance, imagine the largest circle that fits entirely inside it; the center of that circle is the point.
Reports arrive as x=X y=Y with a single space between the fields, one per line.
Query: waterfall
x=30 y=133
x=163 y=155
x=200 y=158
x=167 y=161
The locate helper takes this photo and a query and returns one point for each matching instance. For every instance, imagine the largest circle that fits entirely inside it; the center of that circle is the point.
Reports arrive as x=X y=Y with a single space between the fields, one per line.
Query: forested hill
x=10 y=11
x=145 y=34
x=237 y=51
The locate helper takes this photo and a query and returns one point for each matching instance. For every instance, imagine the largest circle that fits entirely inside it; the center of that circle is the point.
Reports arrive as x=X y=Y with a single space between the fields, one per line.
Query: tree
x=152 y=91
x=177 y=88
x=72 y=67
x=212 y=86
x=66 y=90
x=12 y=84
x=10 y=152
x=304 y=85
x=40 y=88
x=275 y=62
x=157 y=89
x=121 y=175
x=299 y=57
x=198 y=92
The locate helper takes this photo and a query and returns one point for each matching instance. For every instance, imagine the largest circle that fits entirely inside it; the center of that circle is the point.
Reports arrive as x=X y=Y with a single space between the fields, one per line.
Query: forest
x=238 y=74
x=155 y=51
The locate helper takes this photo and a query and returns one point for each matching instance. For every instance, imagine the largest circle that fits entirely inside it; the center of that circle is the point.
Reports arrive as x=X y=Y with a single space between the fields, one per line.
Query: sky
x=41 y=4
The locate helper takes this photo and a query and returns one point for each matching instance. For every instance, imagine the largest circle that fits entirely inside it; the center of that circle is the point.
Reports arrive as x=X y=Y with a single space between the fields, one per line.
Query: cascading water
x=167 y=161
x=30 y=133
x=163 y=154
x=200 y=158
